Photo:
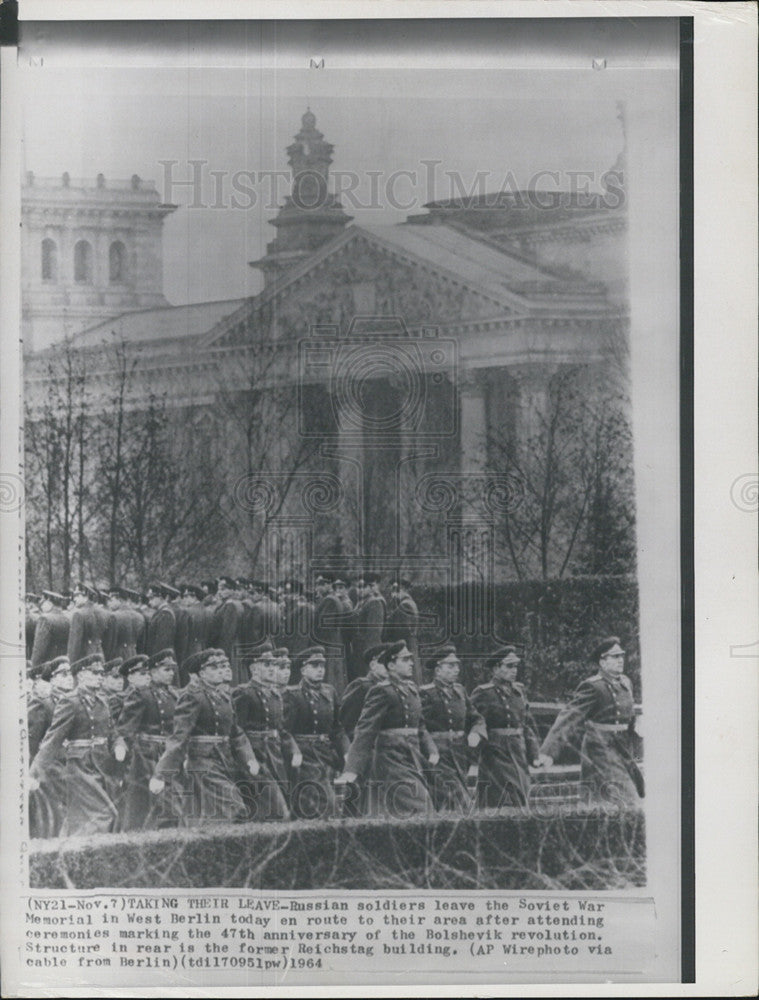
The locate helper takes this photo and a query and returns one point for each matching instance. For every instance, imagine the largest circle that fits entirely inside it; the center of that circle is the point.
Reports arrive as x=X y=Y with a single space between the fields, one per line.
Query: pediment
x=384 y=273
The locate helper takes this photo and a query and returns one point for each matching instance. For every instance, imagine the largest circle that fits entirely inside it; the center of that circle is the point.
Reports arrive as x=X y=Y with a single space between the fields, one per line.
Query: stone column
x=534 y=381
x=473 y=422
x=350 y=457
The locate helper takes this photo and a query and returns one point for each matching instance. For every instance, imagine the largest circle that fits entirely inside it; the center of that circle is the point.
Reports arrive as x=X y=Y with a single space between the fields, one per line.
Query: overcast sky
x=511 y=124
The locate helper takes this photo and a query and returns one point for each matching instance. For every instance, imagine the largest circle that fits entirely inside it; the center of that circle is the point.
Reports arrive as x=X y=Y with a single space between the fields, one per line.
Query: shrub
x=574 y=847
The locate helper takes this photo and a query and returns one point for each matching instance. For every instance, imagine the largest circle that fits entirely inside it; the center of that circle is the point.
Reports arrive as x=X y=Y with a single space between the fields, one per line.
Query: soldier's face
x=447 y=670
x=62 y=679
x=113 y=683
x=45 y=606
x=212 y=673
x=507 y=669
x=90 y=680
x=266 y=670
x=154 y=600
x=163 y=674
x=613 y=660
x=139 y=679
x=402 y=665
x=313 y=671
x=283 y=673
x=79 y=599
x=114 y=602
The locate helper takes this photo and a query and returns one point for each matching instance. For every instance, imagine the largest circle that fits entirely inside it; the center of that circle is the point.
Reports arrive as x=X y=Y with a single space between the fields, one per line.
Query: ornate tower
x=311 y=215
x=91 y=250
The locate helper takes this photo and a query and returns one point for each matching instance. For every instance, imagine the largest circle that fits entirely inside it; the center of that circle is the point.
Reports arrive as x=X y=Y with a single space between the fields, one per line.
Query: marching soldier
x=162 y=626
x=193 y=637
x=209 y=599
x=253 y=624
x=51 y=635
x=389 y=740
x=403 y=621
x=366 y=623
x=89 y=624
x=47 y=803
x=512 y=744
x=146 y=722
x=328 y=617
x=455 y=726
x=113 y=686
x=311 y=716
x=207 y=738
x=297 y=618
x=39 y=707
x=283 y=668
x=127 y=626
x=82 y=720
x=351 y=706
x=603 y=710
x=259 y=712
x=226 y=625
x=354 y=696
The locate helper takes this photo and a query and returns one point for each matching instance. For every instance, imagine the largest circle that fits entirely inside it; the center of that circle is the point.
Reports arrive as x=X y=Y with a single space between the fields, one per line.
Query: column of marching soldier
x=195 y=705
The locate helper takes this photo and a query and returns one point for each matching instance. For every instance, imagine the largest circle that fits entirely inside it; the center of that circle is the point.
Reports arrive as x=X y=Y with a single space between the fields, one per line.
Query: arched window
x=83 y=263
x=117 y=262
x=49 y=260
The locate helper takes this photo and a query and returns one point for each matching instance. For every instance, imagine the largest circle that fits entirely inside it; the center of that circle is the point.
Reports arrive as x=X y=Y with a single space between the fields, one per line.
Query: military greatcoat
x=504 y=778
x=89 y=626
x=450 y=717
x=260 y=715
x=387 y=749
x=81 y=720
x=311 y=716
x=602 y=710
x=207 y=739
x=145 y=723
x=51 y=637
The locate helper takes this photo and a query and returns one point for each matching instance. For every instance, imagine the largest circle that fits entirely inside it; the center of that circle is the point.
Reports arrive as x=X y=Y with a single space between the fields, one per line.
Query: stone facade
x=91 y=250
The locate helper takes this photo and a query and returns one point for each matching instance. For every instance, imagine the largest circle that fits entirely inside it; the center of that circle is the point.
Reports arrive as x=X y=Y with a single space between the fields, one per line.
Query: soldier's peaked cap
x=56 y=598
x=228 y=581
x=85 y=588
x=113 y=666
x=313 y=652
x=264 y=648
x=208 y=657
x=53 y=665
x=282 y=652
x=169 y=591
x=403 y=582
x=500 y=654
x=440 y=654
x=37 y=671
x=132 y=664
x=604 y=646
x=191 y=588
x=323 y=578
x=86 y=662
x=391 y=651
x=158 y=659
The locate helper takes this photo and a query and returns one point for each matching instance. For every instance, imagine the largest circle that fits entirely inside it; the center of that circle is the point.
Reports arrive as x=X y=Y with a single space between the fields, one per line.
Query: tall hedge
x=558 y=621
x=561 y=847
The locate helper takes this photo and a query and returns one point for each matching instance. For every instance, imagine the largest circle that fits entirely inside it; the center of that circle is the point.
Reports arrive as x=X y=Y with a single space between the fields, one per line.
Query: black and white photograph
x=351 y=447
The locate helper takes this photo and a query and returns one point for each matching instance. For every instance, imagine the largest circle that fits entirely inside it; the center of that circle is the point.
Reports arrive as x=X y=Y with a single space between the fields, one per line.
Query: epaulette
x=459 y=687
x=426 y=687
x=517 y=685
x=484 y=687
